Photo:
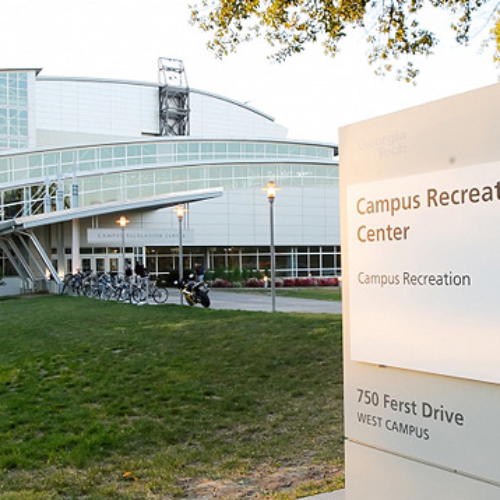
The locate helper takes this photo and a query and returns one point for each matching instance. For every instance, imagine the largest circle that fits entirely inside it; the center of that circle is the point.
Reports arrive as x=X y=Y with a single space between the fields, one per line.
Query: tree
x=393 y=27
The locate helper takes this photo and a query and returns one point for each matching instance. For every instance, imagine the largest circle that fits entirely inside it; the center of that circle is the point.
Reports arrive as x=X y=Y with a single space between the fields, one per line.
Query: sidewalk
x=258 y=302
x=334 y=495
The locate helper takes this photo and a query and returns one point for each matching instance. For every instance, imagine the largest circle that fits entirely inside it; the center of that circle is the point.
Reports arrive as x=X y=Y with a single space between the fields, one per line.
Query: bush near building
x=262 y=282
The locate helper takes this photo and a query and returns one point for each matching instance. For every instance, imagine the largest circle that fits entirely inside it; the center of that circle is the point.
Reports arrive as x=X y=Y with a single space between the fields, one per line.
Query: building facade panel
x=92 y=149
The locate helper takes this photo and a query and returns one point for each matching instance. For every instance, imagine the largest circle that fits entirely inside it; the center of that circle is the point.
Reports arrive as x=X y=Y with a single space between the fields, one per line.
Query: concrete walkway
x=260 y=302
x=334 y=495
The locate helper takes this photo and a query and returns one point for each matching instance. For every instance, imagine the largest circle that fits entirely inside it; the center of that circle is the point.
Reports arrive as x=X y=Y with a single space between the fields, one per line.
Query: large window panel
x=110 y=195
x=87 y=159
x=249 y=150
x=148 y=190
x=163 y=176
x=163 y=188
x=220 y=150
x=193 y=185
x=283 y=150
x=214 y=173
x=119 y=159
x=283 y=172
x=260 y=150
x=269 y=172
x=234 y=150
x=249 y=261
x=271 y=150
x=193 y=151
x=181 y=152
x=179 y=174
x=240 y=172
x=4 y=121
x=111 y=181
x=134 y=153
x=91 y=184
x=3 y=90
x=132 y=179
x=35 y=166
x=147 y=178
x=133 y=192
x=93 y=198
x=207 y=151
x=296 y=173
x=4 y=164
x=226 y=172
x=196 y=173
x=149 y=153
x=165 y=153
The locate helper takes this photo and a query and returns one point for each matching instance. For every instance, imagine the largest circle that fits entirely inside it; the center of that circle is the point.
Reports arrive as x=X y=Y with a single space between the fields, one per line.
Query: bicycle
x=147 y=289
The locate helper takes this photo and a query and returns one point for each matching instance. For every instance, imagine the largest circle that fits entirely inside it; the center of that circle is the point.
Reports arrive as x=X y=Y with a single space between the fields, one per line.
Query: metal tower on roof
x=174 y=97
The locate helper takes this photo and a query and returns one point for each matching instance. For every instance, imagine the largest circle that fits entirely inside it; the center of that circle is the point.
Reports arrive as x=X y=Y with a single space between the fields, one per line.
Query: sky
x=311 y=94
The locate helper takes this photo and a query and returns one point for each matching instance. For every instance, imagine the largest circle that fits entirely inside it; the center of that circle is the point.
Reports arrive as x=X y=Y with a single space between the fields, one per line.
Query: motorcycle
x=195 y=293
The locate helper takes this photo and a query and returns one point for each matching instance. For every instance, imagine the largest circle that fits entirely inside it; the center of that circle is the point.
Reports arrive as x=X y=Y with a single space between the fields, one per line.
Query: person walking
x=199 y=270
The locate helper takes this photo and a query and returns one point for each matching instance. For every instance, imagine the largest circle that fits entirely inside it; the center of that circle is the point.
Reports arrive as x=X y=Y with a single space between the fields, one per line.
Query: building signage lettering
x=433 y=199
x=402 y=412
x=137 y=237
x=421 y=296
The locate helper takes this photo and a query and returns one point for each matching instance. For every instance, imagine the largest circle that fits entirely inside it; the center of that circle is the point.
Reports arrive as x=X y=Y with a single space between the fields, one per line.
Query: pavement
x=334 y=495
x=260 y=302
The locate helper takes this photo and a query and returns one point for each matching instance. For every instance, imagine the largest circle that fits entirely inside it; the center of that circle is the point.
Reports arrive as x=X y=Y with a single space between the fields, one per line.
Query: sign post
x=420 y=197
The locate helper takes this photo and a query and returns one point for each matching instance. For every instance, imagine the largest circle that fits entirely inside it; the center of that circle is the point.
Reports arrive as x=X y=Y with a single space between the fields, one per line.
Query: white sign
x=138 y=237
x=421 y=297
x=420 y=193
x=425 y=416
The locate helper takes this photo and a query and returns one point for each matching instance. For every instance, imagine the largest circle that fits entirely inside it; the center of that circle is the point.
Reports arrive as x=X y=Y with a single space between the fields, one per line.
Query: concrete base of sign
x=367 y=476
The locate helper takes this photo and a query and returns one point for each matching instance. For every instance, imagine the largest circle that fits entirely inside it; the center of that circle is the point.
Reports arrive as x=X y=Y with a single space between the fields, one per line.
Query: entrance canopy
x=150 y=203
x=21 y=246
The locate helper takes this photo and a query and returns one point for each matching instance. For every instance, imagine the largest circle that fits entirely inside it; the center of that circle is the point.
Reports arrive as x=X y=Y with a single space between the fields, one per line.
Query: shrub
x=220 y=283
x=328 y=282
x=254 y=283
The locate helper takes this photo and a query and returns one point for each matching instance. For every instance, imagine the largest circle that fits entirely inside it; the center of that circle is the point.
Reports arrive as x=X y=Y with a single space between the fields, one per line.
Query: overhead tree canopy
x=393 y=27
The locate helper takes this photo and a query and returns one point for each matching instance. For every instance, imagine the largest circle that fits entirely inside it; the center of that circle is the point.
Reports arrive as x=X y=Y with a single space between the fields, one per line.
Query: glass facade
x=290 y=261
x=138 y=170
x=13 y=110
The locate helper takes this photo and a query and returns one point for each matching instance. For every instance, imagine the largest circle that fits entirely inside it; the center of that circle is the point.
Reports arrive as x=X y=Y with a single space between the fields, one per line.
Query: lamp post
x=180 y=211
x=123 y=222
x=271 y=195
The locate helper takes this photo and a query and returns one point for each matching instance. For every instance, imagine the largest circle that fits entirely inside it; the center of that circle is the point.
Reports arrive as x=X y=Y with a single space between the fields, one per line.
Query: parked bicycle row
x=114 y=287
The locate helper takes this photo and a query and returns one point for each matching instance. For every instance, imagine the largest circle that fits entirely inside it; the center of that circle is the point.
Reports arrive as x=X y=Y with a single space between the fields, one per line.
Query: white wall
x=212 y=116
x=12 y=286
x=102 y=109
x=303 y=216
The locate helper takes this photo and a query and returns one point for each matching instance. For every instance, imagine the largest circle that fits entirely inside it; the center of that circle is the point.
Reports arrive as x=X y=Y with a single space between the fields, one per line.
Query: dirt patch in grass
x=268 y=483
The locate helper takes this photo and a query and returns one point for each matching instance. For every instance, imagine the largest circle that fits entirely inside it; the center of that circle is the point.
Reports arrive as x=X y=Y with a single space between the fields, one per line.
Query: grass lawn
x=100 y=400
x=330 y=293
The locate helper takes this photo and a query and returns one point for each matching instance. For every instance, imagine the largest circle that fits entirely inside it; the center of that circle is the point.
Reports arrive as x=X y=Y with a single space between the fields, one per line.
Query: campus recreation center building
x=78 y=153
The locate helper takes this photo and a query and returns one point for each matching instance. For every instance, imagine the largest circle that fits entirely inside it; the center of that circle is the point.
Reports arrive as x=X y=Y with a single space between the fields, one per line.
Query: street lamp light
x=180 y=211
x=123 y=222
x=271 y=195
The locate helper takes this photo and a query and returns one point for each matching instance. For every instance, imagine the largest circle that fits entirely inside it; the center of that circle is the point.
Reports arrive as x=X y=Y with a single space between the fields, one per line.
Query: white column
x=76 y=261
x=61 y=265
